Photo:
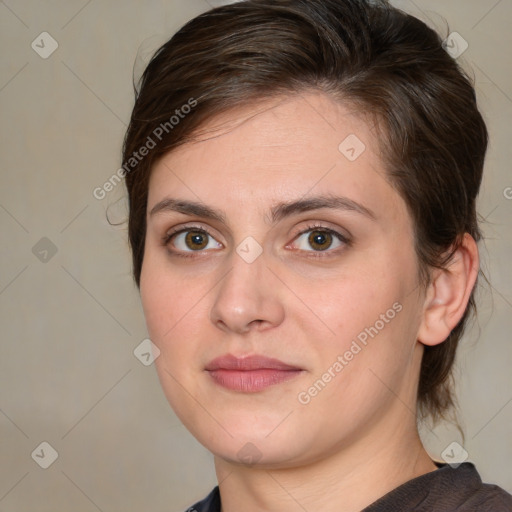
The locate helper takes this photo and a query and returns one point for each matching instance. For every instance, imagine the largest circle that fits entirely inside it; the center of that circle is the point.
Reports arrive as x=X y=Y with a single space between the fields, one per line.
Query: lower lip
x=251 y=381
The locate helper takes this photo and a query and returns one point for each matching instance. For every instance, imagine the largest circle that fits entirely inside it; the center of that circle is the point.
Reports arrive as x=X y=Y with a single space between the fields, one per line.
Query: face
x=280 y=284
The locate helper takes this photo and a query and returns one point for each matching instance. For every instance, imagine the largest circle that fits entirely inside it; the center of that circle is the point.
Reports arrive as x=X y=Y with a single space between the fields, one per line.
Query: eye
x=191 y=240
x=320 y=239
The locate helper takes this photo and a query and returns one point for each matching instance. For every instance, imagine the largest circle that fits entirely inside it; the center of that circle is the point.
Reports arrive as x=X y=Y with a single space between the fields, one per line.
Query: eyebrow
x=277 y=212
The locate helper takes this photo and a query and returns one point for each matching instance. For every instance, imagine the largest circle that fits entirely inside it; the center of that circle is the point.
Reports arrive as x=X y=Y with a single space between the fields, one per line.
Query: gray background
x=70 y=321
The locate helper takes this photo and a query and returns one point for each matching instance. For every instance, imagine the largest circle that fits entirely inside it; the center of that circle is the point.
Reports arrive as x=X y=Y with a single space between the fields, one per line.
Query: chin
x=252 y=442
x=262 y=452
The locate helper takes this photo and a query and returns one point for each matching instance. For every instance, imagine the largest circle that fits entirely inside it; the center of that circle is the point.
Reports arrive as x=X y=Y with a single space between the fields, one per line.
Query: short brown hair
x=383 y=61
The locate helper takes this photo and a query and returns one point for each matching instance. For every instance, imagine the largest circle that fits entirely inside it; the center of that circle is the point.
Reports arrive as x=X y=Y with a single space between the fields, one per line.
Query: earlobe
x=448 y=294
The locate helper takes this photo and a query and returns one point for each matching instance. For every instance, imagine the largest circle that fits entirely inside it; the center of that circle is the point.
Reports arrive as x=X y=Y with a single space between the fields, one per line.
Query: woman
x=302 y=178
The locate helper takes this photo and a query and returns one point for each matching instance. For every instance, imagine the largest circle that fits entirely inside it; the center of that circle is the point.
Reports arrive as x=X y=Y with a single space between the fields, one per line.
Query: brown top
x=444 y=490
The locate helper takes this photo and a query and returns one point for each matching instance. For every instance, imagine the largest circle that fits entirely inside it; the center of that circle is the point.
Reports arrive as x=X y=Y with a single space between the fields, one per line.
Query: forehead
x=289 y=127
x=279 y=150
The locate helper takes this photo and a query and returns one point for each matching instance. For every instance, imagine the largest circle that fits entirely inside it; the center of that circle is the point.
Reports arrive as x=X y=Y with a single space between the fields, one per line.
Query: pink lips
x=249 y=374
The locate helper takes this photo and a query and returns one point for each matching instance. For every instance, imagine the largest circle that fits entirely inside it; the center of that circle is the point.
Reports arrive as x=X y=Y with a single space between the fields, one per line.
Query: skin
x=357 y=438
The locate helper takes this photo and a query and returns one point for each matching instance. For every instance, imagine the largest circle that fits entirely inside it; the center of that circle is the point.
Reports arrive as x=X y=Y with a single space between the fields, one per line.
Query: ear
x=448 y=294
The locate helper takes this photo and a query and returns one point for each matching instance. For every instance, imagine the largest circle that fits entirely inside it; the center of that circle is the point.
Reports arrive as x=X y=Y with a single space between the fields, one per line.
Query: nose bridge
x=242 y=279
x=248 y=294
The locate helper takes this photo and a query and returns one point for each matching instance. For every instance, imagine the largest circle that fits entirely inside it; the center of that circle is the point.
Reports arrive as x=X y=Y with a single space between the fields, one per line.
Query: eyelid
x=186 y=227
x=345 y=239
x=181 y=229
x=321 y=227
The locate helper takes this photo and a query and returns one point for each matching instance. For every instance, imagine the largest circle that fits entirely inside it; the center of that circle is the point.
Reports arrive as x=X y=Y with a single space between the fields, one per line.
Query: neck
x=354 y=477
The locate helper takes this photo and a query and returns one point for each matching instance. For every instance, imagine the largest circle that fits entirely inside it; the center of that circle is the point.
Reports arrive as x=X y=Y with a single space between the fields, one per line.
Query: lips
x=250 y=374
x=256 y=362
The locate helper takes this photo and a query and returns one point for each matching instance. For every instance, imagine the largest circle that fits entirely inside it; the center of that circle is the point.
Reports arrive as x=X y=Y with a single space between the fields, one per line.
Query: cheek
x=163 y=294
x=170 y=310
x=174 y=312
x=163 y=306
x=367 y=314
x=355 y=301
x=155 y=301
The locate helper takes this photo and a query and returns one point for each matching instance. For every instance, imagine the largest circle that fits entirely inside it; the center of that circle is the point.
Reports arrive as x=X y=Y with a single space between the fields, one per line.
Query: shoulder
x=444 y=490
x=488 y=498
x=210 y=504
x=464 y=489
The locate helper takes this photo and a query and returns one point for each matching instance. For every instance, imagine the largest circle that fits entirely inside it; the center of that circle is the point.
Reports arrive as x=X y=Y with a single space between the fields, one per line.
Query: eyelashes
x=198 y=238
x=318 y=237
x=194 y=241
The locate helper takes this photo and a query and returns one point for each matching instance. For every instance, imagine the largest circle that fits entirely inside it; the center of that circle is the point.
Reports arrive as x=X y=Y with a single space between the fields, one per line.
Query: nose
x=247 y=298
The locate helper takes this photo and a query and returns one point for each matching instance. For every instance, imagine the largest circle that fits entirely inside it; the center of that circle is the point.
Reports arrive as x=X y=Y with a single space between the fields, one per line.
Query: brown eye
x=196 y=240
x=191 y=240
x=320 y=240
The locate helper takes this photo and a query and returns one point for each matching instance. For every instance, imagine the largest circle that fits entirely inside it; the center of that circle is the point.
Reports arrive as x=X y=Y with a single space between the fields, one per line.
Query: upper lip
x=253 y=362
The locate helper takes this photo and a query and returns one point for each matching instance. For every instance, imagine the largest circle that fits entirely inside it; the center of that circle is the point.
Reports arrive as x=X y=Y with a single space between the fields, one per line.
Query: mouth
x=250 y=374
